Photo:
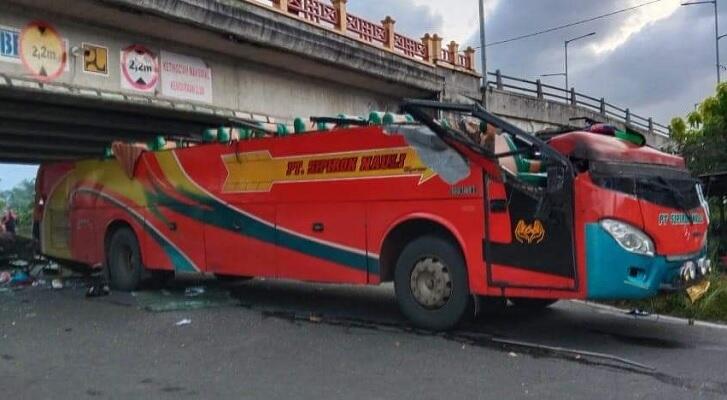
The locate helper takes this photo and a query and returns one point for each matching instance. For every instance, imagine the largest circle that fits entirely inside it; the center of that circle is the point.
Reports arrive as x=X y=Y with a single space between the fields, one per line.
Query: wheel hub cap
x=430 y=283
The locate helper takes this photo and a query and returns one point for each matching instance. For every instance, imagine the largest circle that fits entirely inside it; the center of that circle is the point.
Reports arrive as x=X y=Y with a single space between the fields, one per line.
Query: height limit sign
x=139 y=69
x=42 y=51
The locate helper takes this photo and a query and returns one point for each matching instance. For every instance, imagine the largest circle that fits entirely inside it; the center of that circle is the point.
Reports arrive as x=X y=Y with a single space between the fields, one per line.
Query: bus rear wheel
x=124 y=260
x=431 y=283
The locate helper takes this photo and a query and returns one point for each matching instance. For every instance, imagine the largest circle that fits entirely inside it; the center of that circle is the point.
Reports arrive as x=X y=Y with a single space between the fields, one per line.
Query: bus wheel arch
x=405 y=232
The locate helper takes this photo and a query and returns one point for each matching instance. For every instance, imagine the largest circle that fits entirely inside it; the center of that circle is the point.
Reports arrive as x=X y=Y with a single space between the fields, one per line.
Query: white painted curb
x=652 y=317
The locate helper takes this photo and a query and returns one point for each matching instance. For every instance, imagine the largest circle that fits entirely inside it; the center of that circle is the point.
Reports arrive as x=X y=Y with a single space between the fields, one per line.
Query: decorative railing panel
x=410 y=47
x=366 y=30
x=313 y=10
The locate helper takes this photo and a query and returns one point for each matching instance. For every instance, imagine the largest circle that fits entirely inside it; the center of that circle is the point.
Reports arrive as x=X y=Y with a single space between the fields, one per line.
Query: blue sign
x=9 y=43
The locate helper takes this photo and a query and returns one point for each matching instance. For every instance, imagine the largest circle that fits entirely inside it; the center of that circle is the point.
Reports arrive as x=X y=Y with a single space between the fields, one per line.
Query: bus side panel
x=247 y=251
x=322 y=242
x=463 y=217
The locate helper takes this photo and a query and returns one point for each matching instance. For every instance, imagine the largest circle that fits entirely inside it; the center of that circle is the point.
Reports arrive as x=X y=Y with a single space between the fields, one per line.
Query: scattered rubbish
x=21 y=278
x=98 y=290
x=5 y=277
x=183 y=322
x=39 y=282
x=637 y=312
x=698 y=291
x=194 y=291
x=56 y=284
x=512 y=354
x=52 y=269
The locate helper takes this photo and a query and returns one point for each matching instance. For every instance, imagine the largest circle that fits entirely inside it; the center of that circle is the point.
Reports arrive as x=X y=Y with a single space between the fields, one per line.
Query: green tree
x=701 y=138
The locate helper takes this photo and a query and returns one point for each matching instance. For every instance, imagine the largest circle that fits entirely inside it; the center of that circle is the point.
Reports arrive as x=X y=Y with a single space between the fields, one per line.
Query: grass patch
x=711 y=307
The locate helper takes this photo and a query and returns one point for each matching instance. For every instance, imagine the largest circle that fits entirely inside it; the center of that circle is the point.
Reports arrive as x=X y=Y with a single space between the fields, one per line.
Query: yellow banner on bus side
x=259 y=171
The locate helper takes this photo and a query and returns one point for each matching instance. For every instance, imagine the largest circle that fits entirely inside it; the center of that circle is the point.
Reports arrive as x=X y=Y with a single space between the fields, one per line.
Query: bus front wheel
x=124 y=260
x=431 y=283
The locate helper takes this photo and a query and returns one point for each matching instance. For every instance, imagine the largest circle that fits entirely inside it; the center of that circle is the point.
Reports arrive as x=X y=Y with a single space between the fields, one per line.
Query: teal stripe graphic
x=179 y=260
x=212 y=212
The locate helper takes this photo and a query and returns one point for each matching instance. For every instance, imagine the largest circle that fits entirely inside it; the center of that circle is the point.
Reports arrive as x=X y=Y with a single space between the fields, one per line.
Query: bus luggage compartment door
x=322 y=242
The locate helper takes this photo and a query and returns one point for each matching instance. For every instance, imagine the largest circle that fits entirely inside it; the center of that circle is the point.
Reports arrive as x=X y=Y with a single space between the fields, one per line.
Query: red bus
x=451 y=203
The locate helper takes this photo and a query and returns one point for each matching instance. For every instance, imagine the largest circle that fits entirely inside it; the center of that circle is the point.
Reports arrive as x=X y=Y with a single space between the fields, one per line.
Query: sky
x=657 y=60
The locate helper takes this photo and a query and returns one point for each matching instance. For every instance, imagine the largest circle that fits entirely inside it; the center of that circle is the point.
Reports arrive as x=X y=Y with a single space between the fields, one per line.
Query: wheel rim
x=430 y=283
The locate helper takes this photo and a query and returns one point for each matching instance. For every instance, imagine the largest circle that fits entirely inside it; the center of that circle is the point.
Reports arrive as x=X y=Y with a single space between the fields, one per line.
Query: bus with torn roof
x=449 y=202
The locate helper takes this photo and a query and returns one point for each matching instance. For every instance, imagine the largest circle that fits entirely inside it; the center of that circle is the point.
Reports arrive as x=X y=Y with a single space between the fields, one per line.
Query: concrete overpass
x=97 y=70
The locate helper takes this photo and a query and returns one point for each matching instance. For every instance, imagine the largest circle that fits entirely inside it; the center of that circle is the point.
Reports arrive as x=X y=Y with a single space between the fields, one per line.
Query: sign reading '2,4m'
x=139 y=69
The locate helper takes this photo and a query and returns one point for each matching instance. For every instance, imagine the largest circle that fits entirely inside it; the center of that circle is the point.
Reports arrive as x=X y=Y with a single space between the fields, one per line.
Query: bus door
x=529 y=241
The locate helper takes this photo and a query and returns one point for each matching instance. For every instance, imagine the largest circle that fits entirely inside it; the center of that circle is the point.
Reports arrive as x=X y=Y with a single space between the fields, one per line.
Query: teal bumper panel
x=613 y=273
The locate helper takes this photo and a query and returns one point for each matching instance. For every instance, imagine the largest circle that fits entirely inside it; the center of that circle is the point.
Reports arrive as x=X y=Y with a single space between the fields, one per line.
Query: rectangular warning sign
x=186 y=78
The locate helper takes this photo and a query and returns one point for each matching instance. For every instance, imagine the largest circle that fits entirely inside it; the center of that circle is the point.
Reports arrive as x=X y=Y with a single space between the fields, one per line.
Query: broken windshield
x=471 y=128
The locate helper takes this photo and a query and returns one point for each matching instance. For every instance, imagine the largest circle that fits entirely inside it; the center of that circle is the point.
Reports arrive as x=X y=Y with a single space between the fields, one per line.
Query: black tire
x=532 y=304
x=457 y=303
x=124 y=261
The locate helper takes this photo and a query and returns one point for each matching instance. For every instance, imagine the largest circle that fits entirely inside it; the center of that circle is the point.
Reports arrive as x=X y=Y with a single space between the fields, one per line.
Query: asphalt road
x=282 y=340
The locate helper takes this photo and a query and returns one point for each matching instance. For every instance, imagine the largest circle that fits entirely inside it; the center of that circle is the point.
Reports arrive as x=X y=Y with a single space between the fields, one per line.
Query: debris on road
x=637 y=312
x=177 y=300
x=98 y=290
x=183 y=322
x=194 y=291
x=56 y=284
x=5 y=277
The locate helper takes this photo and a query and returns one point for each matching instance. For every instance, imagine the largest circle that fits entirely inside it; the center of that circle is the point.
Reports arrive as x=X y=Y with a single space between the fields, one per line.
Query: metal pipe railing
x=573 y=98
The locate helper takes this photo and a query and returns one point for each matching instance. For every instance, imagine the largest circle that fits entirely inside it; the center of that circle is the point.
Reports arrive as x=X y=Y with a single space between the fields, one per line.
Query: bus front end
x=644 y=218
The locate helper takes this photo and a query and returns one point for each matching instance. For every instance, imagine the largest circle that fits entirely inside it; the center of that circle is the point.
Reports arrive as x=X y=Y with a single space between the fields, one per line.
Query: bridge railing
x=600 y=105
x=332 y=14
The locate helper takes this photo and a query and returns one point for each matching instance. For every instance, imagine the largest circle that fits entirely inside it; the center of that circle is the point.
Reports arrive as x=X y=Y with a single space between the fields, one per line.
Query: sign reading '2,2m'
x=139 y=69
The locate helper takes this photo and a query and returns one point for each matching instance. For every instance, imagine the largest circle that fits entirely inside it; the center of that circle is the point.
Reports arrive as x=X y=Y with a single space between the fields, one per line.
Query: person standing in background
x=9 y=221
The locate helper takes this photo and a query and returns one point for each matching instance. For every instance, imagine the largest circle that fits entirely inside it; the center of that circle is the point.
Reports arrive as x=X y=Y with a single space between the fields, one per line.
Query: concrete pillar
x=628 y=116
x=281 y=5
x=539 y=88
x=453 y=49
x=498 y=79
x=436 y=48
x=429 y=47
x=651 y=125
x=470 y=54
x=573 y=100
x=388 y=24
x=603 y=106
x=340 y=6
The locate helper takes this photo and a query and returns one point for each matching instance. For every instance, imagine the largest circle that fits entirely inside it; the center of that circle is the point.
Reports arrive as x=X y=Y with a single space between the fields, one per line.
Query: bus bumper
x=612 y=273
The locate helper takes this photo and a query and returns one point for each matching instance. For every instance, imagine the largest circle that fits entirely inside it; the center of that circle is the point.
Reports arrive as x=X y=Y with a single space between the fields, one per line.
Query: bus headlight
x=629 y=237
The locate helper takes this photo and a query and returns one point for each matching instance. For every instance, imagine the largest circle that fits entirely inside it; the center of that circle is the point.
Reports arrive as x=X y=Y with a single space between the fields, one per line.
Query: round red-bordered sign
x=42 y=50
x=140 y=67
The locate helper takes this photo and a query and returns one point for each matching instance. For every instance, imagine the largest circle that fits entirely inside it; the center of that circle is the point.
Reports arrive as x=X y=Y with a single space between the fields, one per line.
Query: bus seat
x=528 y=170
